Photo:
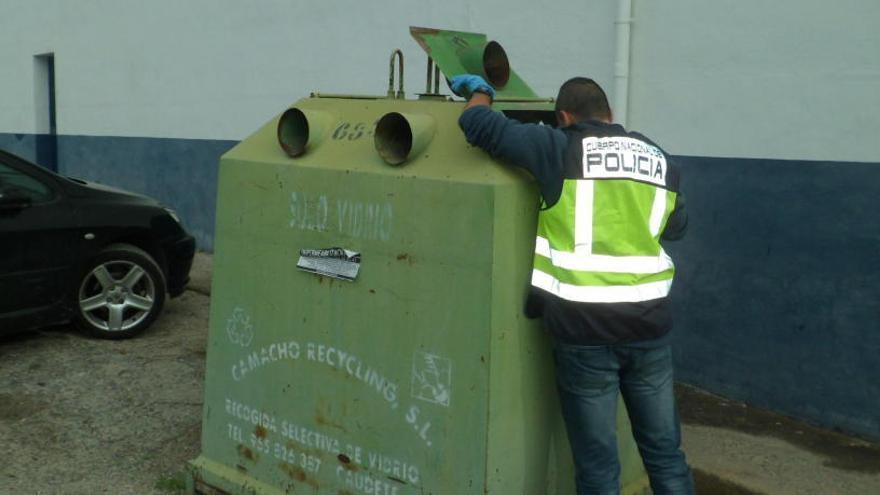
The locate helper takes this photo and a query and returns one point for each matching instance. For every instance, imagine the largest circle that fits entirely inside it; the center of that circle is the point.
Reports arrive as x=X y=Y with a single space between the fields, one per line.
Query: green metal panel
x=419 y=377
x=460 y=52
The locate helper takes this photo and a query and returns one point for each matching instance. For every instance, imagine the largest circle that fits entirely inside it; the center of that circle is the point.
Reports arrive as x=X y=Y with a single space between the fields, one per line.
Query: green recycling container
x=367 y=333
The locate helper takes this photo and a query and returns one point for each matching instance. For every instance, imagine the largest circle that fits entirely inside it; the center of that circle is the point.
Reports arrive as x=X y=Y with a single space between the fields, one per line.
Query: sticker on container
x=331 y=262
x=432 y=378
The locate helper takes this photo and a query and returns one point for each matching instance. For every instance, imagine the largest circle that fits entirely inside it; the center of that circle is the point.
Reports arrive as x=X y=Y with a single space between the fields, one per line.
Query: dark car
x=71 y=250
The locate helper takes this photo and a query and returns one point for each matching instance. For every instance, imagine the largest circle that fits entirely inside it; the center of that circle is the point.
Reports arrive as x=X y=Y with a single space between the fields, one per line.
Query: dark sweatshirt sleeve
x=676 y=225
x=536 y=148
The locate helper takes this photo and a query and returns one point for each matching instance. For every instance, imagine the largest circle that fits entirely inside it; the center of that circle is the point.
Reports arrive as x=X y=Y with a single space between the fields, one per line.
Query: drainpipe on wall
x=623 y=27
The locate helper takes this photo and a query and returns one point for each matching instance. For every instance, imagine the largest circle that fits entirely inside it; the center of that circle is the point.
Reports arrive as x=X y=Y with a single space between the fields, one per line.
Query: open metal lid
x=459 y=52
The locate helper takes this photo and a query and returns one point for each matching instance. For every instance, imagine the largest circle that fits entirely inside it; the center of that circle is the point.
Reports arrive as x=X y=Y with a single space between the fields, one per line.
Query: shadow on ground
x=709 y=484
x=840 y=452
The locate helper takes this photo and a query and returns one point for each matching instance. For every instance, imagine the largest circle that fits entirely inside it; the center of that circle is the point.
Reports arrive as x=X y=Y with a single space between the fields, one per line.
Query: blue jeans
x=589 y=378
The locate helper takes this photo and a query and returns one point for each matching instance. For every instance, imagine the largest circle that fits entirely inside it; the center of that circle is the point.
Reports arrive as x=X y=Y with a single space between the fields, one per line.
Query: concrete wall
x=209 y=70
x=789 y=79
x=772 y=108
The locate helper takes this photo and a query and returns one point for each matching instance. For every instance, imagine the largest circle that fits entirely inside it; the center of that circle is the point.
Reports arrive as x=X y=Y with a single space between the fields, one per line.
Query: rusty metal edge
x=416 y=33
x=202 y=488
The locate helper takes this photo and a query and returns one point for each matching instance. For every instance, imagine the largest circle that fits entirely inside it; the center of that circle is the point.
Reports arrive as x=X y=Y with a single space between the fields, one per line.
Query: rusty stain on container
x=247 y=453
x=296 y=473
x=260 y=431
x=347 y=464
x=321 y=420
x=322 y=417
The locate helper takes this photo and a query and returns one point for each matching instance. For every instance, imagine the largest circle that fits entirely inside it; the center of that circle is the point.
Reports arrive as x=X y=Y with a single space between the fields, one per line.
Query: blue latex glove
x=465 y=85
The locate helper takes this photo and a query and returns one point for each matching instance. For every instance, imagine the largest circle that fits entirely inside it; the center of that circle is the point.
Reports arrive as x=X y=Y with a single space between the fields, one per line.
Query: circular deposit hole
x=293 y=132
x=393 y=138
x=495 y=64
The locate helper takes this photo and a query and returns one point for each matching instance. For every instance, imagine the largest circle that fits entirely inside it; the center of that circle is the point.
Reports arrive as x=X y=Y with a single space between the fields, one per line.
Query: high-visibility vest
x=600 y=243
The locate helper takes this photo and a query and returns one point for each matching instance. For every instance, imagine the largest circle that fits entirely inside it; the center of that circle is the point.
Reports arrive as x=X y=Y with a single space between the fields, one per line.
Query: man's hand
x=466 y=85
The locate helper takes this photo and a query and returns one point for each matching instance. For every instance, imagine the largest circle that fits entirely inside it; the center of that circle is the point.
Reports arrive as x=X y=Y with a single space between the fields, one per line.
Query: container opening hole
x=394 y=138
x=293 y=132
x=545 y=117
x=495 y=64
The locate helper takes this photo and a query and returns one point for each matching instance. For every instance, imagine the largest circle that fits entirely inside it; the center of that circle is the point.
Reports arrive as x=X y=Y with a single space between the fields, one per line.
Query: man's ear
x=564 y=119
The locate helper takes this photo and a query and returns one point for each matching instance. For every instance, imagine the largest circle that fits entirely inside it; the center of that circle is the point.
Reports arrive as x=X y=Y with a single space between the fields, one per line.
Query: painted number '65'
x=347 y=130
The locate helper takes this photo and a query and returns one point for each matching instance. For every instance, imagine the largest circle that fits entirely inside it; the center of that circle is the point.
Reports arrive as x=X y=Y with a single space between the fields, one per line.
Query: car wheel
x=120 y=293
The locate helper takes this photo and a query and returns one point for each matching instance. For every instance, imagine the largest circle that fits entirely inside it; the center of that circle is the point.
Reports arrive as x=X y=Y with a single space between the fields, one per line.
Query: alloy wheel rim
x=117 y=296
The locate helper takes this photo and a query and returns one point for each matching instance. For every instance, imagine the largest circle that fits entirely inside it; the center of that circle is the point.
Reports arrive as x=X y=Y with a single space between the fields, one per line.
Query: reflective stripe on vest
x=601 y=294
x=618 y=258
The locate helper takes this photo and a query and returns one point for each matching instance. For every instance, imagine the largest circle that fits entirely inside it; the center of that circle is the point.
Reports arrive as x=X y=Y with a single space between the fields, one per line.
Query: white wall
x=217 y=69
x=789 y=79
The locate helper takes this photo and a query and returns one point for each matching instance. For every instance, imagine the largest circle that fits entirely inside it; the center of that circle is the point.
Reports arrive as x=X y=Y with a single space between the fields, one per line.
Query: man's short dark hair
x=583 y=98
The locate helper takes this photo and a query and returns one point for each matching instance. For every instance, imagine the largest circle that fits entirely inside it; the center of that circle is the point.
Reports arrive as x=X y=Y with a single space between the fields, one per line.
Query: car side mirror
x=13 y=199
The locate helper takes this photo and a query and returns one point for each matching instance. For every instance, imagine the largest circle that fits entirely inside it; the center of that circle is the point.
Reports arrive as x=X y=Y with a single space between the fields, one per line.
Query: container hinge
x=399 y=94
x=433 y=69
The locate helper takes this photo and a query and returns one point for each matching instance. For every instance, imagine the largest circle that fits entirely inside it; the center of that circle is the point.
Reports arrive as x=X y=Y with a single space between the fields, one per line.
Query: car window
x=12 y=179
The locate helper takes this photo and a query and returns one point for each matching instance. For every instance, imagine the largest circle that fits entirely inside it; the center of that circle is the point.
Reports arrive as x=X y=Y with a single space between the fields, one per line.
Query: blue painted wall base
x=23 y=145
x=777 y=293
x=182 y=173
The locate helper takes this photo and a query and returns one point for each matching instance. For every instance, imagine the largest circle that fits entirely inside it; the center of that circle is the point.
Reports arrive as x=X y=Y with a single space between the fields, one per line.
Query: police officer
x=600 y=278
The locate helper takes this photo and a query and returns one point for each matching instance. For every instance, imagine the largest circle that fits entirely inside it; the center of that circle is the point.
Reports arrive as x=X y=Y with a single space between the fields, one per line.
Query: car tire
x=120 y=293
